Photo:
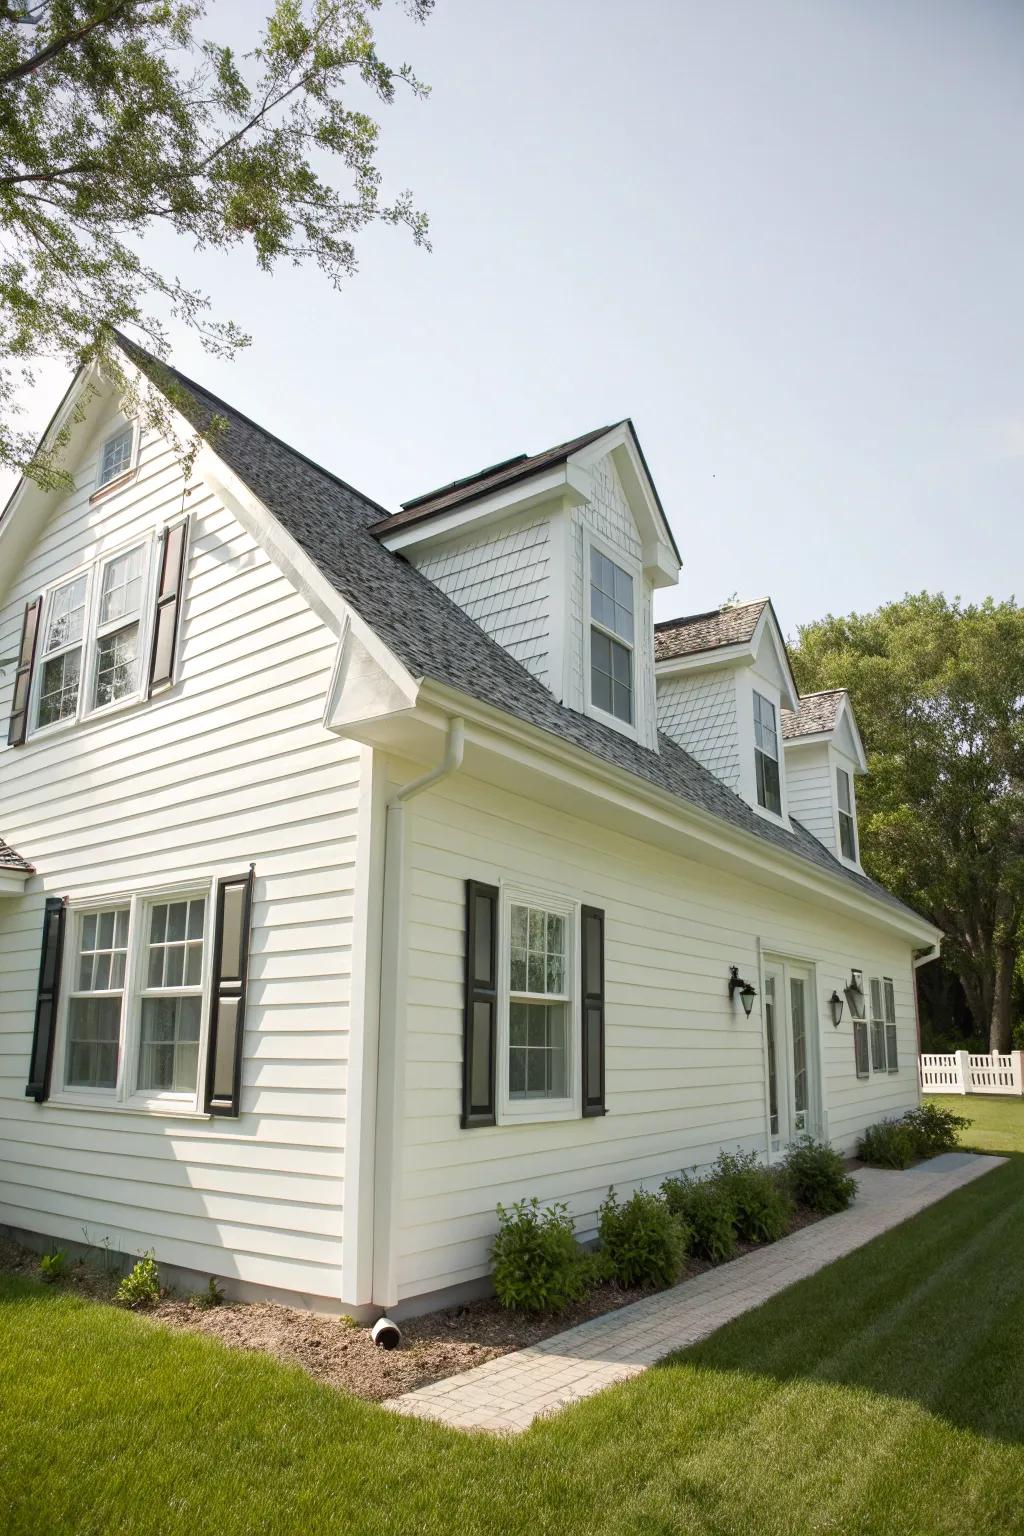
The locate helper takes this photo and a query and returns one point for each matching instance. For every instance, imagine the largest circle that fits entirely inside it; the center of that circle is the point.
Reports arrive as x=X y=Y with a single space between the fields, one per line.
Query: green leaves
x=115 y=117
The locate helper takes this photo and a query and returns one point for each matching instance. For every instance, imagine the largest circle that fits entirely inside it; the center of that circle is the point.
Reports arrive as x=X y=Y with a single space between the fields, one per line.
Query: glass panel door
x=789 y=1022
x=798 y=1036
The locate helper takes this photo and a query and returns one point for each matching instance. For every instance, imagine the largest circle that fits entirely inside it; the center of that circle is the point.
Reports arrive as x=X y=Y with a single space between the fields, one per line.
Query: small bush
x=816 y=1177
x=706 y=1206
x=212 y=1296
x=762 y=1205
x=141 y=1285
x=935 y=1129
x=644 y=1243
x=53 y=1266
x=538 y=1264
x=889 y=1144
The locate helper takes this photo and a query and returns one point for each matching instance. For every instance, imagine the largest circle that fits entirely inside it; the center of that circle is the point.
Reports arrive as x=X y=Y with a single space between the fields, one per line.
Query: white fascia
x=767 y=629
x=739 y=655
x=559 y=760
x=661 y=561
x=560 y=484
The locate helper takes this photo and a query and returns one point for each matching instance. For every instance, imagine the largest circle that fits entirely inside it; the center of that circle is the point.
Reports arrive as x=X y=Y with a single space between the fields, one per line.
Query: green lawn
x=885 y=1394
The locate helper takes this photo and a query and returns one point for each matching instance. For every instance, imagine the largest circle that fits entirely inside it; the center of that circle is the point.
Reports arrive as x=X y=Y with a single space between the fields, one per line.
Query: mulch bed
x=337 y=1351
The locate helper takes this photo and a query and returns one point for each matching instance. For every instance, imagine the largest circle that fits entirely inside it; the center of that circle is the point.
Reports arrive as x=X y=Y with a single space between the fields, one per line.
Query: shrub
x=816 y=1176
x=935 y=1129
x=212 y=1296
x=538 y=1264
x=644 y=1243
x=762 y=1205
x=706 y=1206
x=53 y=1266
x=889 y=1144
x=141 y=1285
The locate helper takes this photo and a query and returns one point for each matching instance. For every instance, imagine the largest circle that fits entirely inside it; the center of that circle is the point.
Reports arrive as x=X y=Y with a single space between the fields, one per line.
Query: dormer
x=824 y=753
x=557 y=555
x=723 y=681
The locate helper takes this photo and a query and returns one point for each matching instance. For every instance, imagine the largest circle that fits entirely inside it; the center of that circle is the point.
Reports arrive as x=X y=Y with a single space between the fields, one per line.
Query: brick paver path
x=507 y=1394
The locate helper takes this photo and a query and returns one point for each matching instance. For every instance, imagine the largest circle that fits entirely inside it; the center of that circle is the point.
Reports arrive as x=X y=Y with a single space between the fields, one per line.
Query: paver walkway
x=507 y=1394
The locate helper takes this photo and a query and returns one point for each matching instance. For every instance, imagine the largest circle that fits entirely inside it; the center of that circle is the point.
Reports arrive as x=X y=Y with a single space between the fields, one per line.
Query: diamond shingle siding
x=501 y=579
x=700 y=714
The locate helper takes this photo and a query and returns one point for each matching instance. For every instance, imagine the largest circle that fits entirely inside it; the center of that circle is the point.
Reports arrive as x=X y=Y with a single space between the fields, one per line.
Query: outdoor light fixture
x=746 y=991
x=855 y=996
x=835 y=1002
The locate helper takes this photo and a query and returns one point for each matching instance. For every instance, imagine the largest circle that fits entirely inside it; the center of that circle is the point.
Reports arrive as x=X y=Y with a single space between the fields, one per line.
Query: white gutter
x=391 y=1044
x=927 y=955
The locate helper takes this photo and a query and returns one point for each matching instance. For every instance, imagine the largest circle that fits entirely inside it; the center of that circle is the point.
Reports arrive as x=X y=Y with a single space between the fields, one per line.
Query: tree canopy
x=938 y=690
x=116 y=116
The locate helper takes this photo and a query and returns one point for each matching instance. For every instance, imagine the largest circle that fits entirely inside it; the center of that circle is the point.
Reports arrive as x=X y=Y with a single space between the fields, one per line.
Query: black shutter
x=480 y=1027
x=592 y=994
x=168 y=603
x=227 y=999
x=23 y=676
x=41 y=1062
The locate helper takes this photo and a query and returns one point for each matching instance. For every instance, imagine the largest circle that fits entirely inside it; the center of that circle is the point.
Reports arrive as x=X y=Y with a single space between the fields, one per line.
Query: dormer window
x=847 y=826
x=116 y=456
x=611 y=637
x=766 y=755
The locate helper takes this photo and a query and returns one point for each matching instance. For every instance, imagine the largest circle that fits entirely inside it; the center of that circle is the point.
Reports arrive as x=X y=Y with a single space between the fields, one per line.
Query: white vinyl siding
x=685 y=1069
x=232 y=765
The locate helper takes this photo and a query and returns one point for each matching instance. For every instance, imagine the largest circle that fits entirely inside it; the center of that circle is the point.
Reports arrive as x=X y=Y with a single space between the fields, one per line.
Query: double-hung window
x=116 y=456
x=766 y=755
x=847 y=827
x=539 y=1009
x=611 y=638
x=878 y=1061
x=60 y=667
x=118 y=627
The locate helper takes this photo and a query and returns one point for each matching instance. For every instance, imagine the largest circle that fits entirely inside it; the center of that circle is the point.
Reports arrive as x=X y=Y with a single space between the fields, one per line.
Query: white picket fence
x=960 y=1072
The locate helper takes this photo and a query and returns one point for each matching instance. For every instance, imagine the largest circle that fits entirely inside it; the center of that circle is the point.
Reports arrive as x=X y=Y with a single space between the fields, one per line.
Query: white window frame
x=125 y=1096
x=631 y=568
x=43 y=656
x=532 y=1111
x=93 y=572
x=840 y=813
x=766 y=810
x=133 y=460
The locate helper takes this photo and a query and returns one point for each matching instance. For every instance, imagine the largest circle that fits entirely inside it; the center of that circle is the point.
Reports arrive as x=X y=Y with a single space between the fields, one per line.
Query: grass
x=885 y=1394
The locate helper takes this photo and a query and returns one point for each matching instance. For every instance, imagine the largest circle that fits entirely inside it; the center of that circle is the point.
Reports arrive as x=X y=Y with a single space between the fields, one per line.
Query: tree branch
x=69 y=40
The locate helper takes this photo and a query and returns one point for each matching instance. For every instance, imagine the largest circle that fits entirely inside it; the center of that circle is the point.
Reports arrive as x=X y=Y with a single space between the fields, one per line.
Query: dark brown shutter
x=23 y=676
x=860 y=1047
x=168 y=604
x=227 y=999
x=41 y=1062
x=592 y=993
x=480 y=1025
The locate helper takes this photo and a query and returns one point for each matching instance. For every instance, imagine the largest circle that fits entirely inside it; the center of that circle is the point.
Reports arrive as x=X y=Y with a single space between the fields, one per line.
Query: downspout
x=924 y=958
x=391 y=1045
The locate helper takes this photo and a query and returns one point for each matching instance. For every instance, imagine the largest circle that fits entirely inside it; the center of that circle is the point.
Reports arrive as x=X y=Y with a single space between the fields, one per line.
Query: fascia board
x=791 y=696
x=546 y=750
x=738 y=655
x=502 y=504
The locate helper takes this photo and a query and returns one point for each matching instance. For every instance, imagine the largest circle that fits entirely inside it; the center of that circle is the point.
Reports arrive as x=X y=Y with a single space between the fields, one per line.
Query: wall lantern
x=855 y=995
x=835 y=1003
x=746 y=991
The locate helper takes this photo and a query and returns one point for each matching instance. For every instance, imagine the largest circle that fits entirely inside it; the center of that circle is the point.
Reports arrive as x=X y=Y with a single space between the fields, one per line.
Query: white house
x=373 y=869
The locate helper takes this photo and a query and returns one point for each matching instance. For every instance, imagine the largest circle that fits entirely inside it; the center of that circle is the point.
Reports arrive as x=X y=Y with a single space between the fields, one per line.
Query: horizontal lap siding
x=685 y=1069
x=233 y=765
x=809 y=791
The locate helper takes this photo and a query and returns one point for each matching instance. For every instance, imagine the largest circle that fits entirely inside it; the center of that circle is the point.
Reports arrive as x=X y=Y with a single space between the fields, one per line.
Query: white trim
x=131 y=425
x=532 y=1111
x=631 y=568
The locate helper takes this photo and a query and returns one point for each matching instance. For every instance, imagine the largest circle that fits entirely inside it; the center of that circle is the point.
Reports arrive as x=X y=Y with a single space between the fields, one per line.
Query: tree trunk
x=1001 y=1030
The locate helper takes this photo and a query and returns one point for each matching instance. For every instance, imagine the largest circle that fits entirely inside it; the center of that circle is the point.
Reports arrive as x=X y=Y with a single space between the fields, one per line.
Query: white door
x=792 y=1058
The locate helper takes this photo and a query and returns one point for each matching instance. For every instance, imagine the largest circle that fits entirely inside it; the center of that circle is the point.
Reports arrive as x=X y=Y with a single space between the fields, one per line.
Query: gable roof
x=818 y=712
x=696 y=632
x=9 y=860
x=434 y=638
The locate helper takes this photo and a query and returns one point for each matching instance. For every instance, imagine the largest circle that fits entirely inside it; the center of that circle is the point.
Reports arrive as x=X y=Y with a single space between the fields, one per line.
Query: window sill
x=624 y=727
x=105 y=1107
x=535 y=1114
x=114 y=485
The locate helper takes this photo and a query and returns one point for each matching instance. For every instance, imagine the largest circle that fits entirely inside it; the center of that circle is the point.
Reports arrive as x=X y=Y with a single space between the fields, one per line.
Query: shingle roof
x=818 y=712
x=698 y=632
x=9 y=860
x=435 y=639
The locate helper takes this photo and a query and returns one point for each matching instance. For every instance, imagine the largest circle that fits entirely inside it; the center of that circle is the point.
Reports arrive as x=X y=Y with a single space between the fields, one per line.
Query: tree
x=117 y=118
x=938 y=690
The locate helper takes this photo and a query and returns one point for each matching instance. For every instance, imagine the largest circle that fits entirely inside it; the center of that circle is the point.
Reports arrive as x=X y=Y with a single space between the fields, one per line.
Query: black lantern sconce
x=746 y=991
x=835 y=1004
x=855 y=996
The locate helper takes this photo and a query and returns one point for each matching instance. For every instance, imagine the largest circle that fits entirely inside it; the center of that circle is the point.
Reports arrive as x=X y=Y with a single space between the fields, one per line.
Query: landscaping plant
x=211 y=1296
x=935 y=1129
x=643 y=1241
x=141 y=1285
x=889 y=1144
x=53 y=1266
x=762 y=1205
x=707 y=1208
x=817 y=1177
x=538 y=1264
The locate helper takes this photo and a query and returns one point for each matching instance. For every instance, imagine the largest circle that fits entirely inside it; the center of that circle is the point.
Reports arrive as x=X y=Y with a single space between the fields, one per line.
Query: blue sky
x=785 y=236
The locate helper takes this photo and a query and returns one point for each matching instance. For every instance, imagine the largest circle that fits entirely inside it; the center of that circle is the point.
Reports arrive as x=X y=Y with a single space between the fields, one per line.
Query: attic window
x=611 y=637
x=766 y=755
x=116 y=456
x=847 y=827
